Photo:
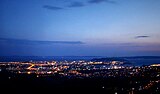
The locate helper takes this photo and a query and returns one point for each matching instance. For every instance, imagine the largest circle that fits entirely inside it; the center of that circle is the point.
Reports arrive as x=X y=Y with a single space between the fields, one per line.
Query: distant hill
x=142 y=57
x=44 y=58
x=123 y=59
x=109 y=59
x=71 y=58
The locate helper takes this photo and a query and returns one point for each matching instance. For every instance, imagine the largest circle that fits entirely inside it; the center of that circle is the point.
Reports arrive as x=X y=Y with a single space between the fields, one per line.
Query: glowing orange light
x=29 y=72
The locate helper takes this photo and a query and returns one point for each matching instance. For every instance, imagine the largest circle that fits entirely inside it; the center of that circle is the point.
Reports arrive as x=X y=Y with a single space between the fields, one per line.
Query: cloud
x=124 y=44
x=96 y=1
x=52 y=7
x=100 y=1
x=32 y=42
x=72 y=4
x=76 y=4
x=137 y=37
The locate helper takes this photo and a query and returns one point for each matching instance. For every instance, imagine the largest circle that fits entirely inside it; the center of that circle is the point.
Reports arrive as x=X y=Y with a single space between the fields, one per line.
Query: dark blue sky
x=79 y=27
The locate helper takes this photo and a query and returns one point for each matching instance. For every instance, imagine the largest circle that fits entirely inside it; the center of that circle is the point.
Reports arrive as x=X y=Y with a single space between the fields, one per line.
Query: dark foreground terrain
x=30 y=83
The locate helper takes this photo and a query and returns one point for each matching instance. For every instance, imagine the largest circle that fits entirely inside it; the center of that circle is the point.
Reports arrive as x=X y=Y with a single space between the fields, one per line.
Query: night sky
x=79 y=27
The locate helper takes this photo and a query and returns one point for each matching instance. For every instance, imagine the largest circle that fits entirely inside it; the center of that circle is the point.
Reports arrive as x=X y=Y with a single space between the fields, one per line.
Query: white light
x=115 y=67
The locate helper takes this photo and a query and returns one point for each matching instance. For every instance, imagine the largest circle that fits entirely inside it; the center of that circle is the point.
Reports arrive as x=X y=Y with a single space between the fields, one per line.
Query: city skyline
x=79 y=27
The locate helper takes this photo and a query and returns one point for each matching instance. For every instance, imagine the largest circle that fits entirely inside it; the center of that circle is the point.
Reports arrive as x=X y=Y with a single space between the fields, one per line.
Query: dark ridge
x=109 y=59
x=143 y=57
